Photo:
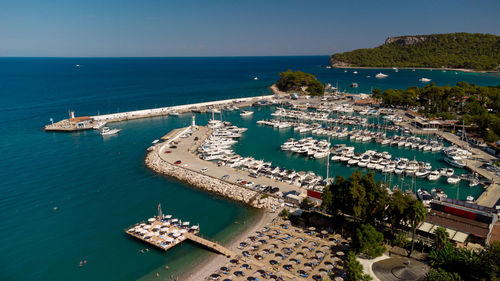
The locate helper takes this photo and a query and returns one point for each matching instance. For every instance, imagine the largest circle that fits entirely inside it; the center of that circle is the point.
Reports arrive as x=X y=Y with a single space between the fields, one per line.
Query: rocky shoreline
x=217 y=186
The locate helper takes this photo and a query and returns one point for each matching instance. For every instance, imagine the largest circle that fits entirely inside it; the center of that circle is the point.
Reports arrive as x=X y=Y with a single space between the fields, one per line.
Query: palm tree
x=415 y=214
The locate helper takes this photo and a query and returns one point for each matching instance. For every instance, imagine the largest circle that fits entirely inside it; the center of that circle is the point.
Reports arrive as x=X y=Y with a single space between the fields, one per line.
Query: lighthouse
x=193 y=123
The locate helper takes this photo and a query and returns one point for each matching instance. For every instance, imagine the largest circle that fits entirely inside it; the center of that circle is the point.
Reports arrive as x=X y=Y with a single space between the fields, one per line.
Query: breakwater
x=205 y=182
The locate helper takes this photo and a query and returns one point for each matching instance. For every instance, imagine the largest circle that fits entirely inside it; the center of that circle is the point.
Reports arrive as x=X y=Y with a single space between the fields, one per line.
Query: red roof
x=80 y=119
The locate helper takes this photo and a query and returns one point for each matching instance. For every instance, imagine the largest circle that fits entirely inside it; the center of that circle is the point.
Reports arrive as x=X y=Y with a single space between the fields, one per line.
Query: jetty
x=73 y=124
x=165 y=232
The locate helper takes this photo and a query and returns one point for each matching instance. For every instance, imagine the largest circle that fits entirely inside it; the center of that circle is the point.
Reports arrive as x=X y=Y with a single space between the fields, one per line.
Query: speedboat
x=438 y=194
x=470 y=199
x=474 y=182
x=455 y=161
x=173 y=113
x=424 y=80
x=433 y=176
x=381 y=75
x=106 y=131
x=246 y=113
x=424 y=196
x=422 y=173
x=449 y=172
x=453 y=179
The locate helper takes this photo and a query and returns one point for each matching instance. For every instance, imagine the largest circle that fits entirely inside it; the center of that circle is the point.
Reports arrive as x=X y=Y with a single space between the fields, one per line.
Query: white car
x=204 y=170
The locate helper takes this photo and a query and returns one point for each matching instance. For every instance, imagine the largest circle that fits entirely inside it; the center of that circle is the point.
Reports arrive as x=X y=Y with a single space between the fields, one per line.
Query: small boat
x=438 y=193
x=106 y=131
x=470 y=199
x=453 y=179
x=256 y=78
x=424 y=80
x=246 y=113
x=449 y=172
x=455 y=161
x=433 y=176
x=173 y=113
x=474 y=182
x=355 y=72
x=424 y=196
x=381 y=75
x=354 y=85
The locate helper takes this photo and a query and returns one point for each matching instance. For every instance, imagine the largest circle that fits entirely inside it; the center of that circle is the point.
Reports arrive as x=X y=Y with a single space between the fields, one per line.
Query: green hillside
x=455 y=50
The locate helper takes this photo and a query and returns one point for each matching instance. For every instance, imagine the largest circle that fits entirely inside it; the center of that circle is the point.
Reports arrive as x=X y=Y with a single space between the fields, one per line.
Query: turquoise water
x=100 y=185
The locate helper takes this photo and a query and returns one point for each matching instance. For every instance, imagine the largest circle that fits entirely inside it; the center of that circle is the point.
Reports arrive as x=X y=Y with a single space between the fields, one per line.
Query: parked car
x=177 y=162
x=204 y=170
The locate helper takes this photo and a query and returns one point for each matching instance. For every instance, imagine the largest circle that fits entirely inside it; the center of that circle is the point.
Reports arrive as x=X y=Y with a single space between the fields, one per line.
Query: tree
x=306 y=204
x=415 y=214
x=441 y=238
x=395 y=212
x=297 y=80
x=284 y=213
x=354 y=270
x=440 y=274
x=369 y=241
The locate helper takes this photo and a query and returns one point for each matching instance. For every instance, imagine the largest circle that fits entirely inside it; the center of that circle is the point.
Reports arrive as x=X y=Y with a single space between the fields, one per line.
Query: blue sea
x=67 y=197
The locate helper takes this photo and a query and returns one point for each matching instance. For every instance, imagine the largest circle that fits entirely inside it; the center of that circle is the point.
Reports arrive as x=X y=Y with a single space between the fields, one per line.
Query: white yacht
x=470 y=199
x=246 y=113
x=433 y=176
x=173 y=113
x=355 y=72
x=106 y=131
x=424 y=80
x=381 y=75
x=455 y=161
x=438 y=193
x=453 y=179
x=424 y=196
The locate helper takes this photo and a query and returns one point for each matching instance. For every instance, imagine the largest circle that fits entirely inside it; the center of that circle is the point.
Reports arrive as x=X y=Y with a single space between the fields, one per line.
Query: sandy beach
x=215 y=261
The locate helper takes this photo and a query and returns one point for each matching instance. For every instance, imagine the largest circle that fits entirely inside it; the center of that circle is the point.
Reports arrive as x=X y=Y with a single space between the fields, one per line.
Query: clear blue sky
x=227 y=27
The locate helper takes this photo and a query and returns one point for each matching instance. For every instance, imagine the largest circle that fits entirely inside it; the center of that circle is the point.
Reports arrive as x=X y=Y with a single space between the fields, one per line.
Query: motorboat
x=354 y=85
x=424 y=80
x=106 y=131
x=438 y=193
x=433 y=176
x=453 y=179
x=173 y=113
x=455 y=161
x=381 y=75
x=424 y=196
x=449 y=172
x=470 y=198
x=246 y=113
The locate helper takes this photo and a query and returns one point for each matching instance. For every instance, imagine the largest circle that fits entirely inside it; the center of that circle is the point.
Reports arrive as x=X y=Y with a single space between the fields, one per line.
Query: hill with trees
x=298 y=81
x=475 y=51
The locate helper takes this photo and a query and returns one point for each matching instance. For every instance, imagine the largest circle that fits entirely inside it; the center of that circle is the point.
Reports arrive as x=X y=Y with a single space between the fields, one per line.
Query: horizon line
x=229 y=56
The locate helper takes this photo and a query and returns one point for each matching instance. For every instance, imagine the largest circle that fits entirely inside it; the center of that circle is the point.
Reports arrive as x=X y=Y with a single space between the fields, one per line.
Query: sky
x=166 y=28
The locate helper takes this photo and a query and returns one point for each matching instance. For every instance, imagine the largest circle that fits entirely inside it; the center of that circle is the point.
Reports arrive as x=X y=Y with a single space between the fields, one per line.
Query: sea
x=66 y=198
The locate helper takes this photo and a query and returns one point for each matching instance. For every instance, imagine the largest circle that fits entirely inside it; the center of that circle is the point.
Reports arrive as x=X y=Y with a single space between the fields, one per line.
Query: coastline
x=215 y=261
x=466 y=70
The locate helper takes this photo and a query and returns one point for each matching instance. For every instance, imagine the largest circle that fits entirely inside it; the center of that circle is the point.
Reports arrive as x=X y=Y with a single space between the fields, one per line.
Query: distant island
x=298 y=81
x=479 y=52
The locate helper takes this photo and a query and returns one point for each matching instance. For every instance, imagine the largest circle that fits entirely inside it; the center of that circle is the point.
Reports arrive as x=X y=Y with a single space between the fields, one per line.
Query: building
x=314 y=197
x=462 y=220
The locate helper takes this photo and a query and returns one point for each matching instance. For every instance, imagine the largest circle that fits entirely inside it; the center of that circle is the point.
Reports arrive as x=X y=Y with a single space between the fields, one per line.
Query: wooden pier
x=216 y=247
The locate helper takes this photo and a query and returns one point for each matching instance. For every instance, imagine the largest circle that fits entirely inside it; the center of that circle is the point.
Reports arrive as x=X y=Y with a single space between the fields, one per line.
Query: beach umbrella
x=312 y=228
x=340 y=253
x=338 y=278
x=151 y=220
x=324 y=232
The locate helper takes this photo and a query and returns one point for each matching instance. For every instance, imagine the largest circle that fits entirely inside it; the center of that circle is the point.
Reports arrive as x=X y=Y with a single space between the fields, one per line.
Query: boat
x=256 y=78
x=438 y=193
x=449 y=172
x=173 y=113
x=424 y=80
x=470 y=199
x=455 y=161
x=424 y=196
x=355 y=72
x=106 y=131
x=246 y=113
x=354 y=85
x=433 y=176
x=381 y=75
x=474 y=182
x=453 y=179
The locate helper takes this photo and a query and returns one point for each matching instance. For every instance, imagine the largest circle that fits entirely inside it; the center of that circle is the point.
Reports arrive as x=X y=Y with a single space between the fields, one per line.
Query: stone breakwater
x=220 y=187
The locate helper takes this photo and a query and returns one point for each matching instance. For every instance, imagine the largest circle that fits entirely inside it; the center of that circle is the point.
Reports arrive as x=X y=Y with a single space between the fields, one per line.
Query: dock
x=73 y=124
x=165 y=232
